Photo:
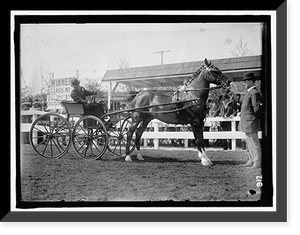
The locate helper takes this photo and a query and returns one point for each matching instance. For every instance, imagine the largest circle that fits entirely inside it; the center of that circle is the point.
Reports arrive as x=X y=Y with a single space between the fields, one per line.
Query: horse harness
x=178 y=104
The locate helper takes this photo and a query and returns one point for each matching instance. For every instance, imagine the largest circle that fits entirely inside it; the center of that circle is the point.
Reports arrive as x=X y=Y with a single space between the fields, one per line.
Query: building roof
x=174 y=74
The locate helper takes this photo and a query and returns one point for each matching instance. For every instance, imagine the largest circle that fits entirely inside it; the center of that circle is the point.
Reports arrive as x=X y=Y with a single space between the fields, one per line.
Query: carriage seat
x=73 y=108
x=78 y=109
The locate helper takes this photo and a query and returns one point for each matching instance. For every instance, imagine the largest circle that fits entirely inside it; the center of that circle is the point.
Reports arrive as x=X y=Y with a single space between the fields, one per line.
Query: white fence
x=233 y=135
x=156 y=135
x=27 y=118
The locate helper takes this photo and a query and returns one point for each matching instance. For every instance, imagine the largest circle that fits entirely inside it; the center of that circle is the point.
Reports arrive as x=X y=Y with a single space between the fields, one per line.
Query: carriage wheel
x=50 y=135
x=89 y=138
x=118 y=138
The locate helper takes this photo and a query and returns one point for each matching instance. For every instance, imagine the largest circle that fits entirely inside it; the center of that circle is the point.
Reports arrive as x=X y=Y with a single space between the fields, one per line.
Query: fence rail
x=156 y=134
x=233 y=135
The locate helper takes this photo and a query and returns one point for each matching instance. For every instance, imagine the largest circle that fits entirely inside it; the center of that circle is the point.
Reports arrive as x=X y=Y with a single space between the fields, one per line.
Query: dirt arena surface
x=164 y=175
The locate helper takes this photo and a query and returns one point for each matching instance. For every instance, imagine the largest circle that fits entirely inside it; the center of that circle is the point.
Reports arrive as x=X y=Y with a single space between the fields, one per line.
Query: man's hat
x=75 y=82
x=249 y=76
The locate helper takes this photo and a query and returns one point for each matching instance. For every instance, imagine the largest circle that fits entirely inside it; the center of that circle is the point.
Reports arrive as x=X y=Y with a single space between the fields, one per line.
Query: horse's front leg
x=197 y=127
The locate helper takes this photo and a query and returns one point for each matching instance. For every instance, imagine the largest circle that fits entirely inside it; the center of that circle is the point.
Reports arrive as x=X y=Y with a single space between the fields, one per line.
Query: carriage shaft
x=148 y=107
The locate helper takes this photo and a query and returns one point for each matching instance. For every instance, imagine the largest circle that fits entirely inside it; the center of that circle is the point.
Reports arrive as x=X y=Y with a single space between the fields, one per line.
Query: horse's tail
x=131 y=95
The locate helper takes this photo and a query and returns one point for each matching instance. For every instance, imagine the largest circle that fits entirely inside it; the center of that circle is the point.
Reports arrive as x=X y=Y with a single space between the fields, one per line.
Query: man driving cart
x=79 y=94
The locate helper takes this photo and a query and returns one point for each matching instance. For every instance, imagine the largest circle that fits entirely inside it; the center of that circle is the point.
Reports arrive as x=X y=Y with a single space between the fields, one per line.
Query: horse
x=186 y=105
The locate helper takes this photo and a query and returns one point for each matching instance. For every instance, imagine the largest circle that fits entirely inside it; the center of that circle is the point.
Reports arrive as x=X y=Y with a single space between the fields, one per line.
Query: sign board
x=60 y=89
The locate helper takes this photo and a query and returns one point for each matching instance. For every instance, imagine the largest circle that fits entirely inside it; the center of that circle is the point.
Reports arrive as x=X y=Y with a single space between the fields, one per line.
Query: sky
x=95 y=48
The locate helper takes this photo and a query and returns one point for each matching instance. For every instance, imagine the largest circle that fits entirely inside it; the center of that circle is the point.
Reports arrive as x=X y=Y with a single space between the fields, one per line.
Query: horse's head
x=214 y=75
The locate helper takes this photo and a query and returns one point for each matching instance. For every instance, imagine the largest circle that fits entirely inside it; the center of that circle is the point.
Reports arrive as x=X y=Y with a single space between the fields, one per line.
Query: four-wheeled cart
x=51 y=135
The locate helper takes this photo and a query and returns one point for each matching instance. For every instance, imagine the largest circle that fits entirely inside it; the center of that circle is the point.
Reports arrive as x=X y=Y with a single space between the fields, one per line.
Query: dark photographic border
x=178 y=215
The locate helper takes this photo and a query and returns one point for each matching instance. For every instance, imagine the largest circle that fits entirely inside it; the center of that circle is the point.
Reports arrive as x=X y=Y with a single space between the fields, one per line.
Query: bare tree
x=123 y=63
x=39 y=82
x=95 y=84
x=24 y=87
x=241 y=49
x=45 y=75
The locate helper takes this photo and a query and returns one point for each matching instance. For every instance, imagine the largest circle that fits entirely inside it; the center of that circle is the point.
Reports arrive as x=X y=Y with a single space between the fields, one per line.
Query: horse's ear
x=207 y=63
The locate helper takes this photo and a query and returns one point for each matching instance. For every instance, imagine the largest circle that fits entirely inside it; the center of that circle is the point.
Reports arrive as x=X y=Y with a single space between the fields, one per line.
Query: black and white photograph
x=160 y=112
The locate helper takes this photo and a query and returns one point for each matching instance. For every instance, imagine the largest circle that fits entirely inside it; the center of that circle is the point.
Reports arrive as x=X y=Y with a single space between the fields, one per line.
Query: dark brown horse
x=187 y=105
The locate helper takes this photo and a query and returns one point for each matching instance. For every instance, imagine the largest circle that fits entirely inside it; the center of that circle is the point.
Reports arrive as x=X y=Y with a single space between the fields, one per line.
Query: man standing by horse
x=250 y=125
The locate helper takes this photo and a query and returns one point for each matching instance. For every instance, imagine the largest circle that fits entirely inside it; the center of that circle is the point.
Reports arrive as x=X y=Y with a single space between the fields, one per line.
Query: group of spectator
x=32 y=105
x=227 y=106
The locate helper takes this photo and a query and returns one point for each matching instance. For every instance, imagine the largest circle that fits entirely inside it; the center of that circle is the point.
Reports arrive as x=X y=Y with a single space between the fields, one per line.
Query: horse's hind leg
x=130 y=132
x=139 y=133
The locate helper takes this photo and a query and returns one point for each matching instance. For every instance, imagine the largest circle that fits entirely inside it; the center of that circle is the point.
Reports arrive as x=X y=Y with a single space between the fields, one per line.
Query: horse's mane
x=191 y=78
x=130 y=96
x=194 y=75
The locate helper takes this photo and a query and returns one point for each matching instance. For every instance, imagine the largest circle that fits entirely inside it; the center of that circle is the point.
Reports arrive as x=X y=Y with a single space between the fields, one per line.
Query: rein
x=168 y=111
x=140 y=109
x=205 y=89
x=175 y=91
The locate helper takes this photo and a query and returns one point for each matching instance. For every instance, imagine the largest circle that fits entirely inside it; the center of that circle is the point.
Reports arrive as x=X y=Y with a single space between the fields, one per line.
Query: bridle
x=218 y=77
x=208 y=68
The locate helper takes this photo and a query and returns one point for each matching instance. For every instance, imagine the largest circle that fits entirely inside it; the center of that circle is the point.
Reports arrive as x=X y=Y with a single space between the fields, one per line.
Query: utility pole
x=161 y=55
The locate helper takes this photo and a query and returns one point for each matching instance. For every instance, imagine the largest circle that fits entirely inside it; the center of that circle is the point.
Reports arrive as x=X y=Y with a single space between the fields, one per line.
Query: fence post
x=35 y=133
x=186 y=143
x=233 y=129
x=156 y=140
x=145 y=142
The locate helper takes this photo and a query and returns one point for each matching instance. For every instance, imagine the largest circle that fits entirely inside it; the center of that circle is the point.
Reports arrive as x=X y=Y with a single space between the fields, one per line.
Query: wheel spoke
x=50 y=129
x=82 y=129
x=96 y=146
x=40 y=143
x=116 y=146
x=120 y=148
x=56 y=146
x=87 y=146
x=89 y=143
x=91 y=148
x=119 y=137
x=51 y=147
x=81 y=145
x=46 y=146
x=113 y=134
x=55 y=140
x=45 y=133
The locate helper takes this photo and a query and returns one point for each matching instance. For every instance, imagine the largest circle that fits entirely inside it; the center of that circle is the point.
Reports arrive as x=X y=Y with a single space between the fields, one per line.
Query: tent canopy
x=175 y=74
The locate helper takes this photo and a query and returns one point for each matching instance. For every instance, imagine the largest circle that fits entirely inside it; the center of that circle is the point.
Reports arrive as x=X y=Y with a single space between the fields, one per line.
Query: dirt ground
x=164 y=175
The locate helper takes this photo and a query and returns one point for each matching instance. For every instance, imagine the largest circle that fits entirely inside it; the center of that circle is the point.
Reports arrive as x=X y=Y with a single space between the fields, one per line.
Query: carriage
x=52 y=134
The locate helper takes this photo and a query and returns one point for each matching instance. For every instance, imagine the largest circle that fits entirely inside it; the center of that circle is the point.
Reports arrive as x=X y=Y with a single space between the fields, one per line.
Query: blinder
x=219 y=76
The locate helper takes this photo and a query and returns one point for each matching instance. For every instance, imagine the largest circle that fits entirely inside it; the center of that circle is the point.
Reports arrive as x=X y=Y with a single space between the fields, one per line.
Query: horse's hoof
x=206 y=163
x=140 y=157
x=128 y=158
